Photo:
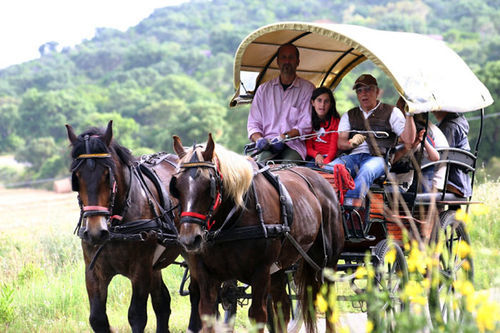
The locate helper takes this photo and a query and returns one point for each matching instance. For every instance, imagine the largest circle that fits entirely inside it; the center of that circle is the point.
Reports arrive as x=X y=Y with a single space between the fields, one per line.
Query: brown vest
x=377 y=121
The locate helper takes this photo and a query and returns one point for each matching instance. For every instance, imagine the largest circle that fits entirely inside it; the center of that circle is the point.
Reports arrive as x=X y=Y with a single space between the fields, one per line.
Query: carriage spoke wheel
x=442 y=298
x=390 y=279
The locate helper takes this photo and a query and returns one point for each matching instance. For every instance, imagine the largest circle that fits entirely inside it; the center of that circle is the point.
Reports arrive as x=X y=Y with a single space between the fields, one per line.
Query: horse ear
x=108 y=136
x=208 y=154
x=71 y=134
x=178 y=148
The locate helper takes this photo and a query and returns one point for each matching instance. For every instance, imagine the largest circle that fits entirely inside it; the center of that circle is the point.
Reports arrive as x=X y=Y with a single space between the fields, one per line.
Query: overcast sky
x=27 y=24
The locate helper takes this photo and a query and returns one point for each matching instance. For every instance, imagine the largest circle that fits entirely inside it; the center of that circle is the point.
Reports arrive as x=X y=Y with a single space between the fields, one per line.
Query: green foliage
x=7 y=313
x=179 y=61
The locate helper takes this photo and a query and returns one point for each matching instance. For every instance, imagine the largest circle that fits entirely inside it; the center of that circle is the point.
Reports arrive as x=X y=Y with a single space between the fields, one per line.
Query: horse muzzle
x=191 y=237
x=96 y=229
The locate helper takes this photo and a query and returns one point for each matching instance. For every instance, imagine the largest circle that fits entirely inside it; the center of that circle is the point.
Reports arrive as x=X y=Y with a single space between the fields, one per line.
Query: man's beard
x=287 y=69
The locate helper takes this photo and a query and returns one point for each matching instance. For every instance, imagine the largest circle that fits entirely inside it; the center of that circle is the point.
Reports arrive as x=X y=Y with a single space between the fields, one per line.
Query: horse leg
x=260 y=291
x=160 y=297
x=194 y=298
x=97 y=290
x=208 y=303
x=137 y=311
x=281 y=301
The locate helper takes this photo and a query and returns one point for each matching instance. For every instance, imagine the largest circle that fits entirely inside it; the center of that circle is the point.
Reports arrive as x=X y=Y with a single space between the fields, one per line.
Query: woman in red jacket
x=322 y=147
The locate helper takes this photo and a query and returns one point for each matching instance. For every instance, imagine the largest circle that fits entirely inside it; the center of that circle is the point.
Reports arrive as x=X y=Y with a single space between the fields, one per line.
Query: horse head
x=198 y=187
x=93 y=177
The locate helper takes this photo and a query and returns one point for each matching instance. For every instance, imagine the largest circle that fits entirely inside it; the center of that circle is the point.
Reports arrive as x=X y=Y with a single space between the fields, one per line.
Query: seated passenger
x=456 y=128
x=405 y=154
x=440 y=169
x=365 y=160
x=322 y=148
x=433 y=175
x=281 y=110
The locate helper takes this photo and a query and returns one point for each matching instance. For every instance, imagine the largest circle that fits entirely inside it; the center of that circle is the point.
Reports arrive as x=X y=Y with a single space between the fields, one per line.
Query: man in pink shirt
x=281 y=109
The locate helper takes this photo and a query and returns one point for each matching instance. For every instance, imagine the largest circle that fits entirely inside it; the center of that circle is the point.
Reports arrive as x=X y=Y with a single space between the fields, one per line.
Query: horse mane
x=236 y=170
x=97 y=146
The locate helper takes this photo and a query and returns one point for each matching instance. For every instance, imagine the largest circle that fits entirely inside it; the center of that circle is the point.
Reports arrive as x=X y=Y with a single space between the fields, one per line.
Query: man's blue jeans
x=364 y=168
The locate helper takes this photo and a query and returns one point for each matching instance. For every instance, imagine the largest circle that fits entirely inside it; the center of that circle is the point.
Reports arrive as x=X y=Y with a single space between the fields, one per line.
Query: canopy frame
x=424 y=71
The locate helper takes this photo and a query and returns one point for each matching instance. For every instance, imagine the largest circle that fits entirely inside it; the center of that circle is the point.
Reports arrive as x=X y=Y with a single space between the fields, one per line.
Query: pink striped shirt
x=275 y=111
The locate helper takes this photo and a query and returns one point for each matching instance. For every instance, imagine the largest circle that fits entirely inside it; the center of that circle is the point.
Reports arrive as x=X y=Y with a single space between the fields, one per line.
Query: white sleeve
x=344 y=124
x=397 y=121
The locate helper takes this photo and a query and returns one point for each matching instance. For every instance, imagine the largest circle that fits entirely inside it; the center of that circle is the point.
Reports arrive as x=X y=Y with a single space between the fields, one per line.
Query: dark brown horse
x=233 y=226
x=125 y=216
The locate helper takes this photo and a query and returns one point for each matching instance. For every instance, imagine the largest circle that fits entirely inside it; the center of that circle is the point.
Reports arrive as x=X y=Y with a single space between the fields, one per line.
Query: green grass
x=42 y=287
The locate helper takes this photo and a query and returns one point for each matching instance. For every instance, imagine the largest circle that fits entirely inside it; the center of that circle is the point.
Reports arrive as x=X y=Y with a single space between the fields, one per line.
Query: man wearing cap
x=281 y=110
x=456 y=128
x=365 y=159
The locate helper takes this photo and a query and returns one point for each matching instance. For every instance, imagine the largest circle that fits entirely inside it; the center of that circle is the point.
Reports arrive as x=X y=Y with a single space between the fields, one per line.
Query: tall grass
x=42 y=285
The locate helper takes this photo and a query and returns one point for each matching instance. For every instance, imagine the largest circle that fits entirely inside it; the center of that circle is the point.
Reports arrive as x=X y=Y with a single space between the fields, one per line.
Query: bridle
x=205 y=221
x=87 y=211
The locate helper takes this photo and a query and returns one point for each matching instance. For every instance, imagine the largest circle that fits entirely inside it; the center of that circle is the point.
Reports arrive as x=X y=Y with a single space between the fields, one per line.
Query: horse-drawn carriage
x=429 y=77
x=235 y=220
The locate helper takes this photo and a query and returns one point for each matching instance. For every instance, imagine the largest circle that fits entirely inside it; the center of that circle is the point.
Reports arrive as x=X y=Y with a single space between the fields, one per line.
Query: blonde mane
x=236 y=170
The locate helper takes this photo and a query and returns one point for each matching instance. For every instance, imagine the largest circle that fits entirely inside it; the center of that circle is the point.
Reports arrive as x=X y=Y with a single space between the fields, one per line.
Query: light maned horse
x=121 y=223
x=220 y=194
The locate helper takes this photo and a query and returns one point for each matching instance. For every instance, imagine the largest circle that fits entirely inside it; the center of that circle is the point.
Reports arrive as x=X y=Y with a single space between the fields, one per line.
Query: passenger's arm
x=409 y=132
x=343 y=142
x=431 y=151
x=254 y=122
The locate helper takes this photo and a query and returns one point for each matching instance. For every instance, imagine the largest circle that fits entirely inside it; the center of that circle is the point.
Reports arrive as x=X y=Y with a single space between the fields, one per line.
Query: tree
x=9 y=118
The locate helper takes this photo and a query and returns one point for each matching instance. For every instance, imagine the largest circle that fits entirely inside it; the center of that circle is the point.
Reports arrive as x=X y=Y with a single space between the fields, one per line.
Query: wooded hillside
x=172 y=74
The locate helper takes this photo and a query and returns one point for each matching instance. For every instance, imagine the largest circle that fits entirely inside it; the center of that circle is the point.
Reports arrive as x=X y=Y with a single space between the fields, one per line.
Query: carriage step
x=369 y=238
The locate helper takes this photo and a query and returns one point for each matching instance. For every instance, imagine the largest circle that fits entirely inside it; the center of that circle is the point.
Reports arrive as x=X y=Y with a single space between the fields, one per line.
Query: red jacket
x=325 y=144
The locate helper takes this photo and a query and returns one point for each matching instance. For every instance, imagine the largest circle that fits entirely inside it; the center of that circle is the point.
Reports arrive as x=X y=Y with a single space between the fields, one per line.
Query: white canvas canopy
x=425 y=71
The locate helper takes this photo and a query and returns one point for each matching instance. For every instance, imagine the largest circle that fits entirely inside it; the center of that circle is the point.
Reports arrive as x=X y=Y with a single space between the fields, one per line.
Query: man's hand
x=277 y=145
x=356 y=140
x=262 y=144
x=319 y=160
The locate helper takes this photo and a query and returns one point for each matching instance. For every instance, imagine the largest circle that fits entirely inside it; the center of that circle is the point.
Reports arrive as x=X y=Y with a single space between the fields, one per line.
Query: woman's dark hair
x=316 y=121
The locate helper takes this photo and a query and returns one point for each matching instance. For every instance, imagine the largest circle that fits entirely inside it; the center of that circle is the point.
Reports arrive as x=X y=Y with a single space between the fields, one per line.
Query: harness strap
x=302 y=252
x=193 y=214
x=101 y=208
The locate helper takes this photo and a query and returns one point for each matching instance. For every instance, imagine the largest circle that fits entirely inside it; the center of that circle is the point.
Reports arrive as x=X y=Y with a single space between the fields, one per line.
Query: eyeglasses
x=365 y=89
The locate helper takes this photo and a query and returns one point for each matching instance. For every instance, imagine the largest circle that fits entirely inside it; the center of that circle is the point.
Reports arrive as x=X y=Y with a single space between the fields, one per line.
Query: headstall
x=206 y=221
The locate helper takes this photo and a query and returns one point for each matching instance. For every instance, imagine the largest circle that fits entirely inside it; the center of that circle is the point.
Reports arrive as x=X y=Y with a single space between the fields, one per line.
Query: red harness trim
x=193 y=214
x=87 y=208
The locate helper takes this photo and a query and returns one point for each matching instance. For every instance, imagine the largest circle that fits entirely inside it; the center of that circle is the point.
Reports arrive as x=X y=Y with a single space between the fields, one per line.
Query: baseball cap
x=365 y=80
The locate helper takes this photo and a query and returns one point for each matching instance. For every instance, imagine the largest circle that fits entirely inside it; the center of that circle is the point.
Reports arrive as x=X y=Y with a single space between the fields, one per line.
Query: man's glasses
x=365 y=89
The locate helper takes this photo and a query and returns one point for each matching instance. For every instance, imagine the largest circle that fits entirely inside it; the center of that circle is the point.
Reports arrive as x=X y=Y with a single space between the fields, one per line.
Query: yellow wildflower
x=390 y=256
x=467 y=288
x=321 y=303
x=361 y=272
x=461 y=215
x=415 y=293
x=463 y=249
x=369 y=326
x=334 y=317
x=417 y=260
x=344 y=329
x=488 y=315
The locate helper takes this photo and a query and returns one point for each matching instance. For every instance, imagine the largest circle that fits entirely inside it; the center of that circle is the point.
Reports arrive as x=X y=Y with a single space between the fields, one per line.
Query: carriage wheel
x=390 y=279
x=451 y=268
x=296 y=320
